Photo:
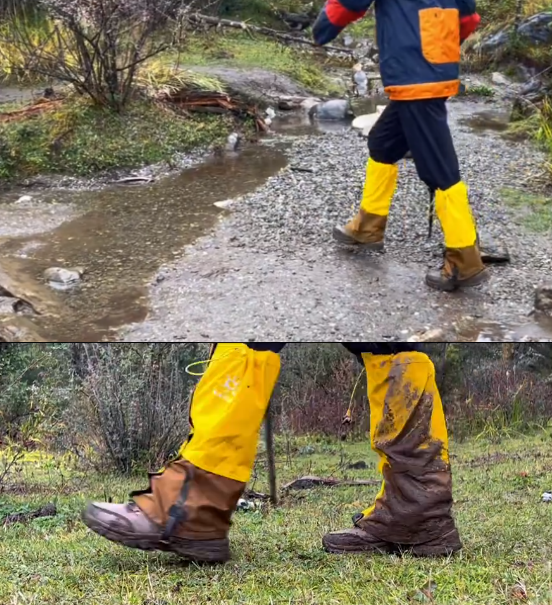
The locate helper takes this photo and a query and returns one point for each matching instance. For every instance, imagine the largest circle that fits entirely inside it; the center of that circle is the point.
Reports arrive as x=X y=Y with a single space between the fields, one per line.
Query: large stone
x=61 y=278
x=259 y=86
x=543 y=299
x=535 y=30
x=334 y=109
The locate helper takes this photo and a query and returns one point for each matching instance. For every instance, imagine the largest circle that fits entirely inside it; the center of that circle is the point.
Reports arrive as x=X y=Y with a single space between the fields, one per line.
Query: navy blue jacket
x=418 y=41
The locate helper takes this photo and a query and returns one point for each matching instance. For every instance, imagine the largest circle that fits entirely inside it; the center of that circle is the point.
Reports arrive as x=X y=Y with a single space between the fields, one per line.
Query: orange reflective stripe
x=440 y=35
x=430 y=90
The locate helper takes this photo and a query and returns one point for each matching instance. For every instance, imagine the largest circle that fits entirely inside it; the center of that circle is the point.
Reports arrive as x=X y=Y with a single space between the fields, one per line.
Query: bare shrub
x=497 y=399
x=132 y=405
x=96 y=46
x=315 y=390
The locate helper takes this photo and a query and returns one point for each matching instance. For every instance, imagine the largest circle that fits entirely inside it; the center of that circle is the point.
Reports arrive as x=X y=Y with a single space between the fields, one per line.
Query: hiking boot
x=126 y=524
x=355 y=540
x=186 y=511
x=366 y=230
x=463 y=268
x=443 y=546
x=492 y=252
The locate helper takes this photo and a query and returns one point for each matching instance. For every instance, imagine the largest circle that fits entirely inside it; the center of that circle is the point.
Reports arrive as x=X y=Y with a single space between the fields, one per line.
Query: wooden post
x=269 y=441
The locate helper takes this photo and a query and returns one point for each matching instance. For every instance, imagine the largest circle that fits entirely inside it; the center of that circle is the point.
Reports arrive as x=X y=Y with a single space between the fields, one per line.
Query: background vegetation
x=101 y=65
x=124 y=406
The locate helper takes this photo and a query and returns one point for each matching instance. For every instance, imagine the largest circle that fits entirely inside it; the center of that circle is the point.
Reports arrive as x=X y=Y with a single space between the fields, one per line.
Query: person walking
x=419 y=48
x=188 y=506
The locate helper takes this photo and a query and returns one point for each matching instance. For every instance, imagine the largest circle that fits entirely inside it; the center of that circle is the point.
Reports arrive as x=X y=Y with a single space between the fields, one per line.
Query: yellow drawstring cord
x=204 y=361
x=348 y=418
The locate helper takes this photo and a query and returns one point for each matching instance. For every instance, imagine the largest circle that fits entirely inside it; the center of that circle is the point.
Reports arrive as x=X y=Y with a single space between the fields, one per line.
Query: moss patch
x=534 y=211
x=81 y=139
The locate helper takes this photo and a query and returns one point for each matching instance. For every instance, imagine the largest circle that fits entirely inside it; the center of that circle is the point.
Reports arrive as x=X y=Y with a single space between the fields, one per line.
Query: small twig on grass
x=309 y=482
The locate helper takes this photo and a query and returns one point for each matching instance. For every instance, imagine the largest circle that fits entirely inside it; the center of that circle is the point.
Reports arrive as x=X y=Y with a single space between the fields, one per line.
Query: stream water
x=122 y=238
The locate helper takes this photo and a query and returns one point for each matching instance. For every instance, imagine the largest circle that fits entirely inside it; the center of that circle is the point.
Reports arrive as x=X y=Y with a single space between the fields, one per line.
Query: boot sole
x=342 y=238
x=204 y=551
x=470 y=282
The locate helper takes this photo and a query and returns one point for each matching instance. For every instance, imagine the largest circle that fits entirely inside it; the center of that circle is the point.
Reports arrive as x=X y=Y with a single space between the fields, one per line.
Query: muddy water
x=483 y=121
x=298 y=123
x=123 y=238
x=539 y=329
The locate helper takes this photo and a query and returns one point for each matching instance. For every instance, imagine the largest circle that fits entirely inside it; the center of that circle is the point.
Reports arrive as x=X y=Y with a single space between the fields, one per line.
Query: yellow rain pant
x=408 y=431
x=228 y=408
x=453 y=210
x=379 y=187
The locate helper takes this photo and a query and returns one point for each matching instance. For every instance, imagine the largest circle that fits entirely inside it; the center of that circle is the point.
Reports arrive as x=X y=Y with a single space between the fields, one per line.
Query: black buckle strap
x=177 y=512
x=356 y=518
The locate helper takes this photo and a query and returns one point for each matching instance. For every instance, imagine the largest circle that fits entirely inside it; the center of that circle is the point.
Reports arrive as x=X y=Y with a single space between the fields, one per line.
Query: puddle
x=298 y=123
x=15 y=94
x=123 y=238
x=539 y=330
x=482 y=121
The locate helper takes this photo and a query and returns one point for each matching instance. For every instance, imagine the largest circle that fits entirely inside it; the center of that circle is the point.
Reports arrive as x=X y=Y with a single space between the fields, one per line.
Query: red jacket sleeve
x=335 y=16
x=468 y=25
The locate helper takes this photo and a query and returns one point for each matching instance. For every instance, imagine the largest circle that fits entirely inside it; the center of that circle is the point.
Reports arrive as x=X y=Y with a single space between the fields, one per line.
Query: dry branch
x=309 y=482
x=199 y=19
x=38 y=107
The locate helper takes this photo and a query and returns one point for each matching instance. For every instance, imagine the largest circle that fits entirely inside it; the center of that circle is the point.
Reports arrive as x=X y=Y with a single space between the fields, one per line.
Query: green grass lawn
x=533 y=211
x=507 y=531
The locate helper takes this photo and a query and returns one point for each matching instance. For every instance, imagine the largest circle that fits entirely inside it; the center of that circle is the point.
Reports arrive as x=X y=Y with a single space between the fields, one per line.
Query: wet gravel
x=272 y=271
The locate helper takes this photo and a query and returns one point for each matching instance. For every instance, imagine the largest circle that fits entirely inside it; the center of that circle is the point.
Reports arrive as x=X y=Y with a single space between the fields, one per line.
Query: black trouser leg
x=387 y=142
x=427 y=134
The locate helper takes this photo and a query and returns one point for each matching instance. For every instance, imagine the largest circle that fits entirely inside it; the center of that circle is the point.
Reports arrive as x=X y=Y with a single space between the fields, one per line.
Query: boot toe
x=123 y=523
x=341 y=235
x=354 y=540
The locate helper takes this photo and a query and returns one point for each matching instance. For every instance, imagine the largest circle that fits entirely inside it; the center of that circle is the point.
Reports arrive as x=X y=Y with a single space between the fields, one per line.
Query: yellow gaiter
x=379 y=187
x=228 y=408
x=453 y=210
x=408 y=431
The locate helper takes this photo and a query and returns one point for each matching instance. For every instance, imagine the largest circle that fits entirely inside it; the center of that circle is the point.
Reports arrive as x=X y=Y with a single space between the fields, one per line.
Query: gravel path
x=272 y=271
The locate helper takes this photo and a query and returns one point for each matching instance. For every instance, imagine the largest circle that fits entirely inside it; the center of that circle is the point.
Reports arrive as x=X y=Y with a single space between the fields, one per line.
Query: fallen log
x=200 y=19
x=214 y=102
x=49 y=510
x=309 y=482
x=33 y=110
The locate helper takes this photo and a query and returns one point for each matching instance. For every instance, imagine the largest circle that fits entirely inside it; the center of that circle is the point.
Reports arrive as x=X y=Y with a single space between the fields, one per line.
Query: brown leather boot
x=364 y=229
x=186 y=511
x=463 y=268
x=417 y=520
x=413 y=510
